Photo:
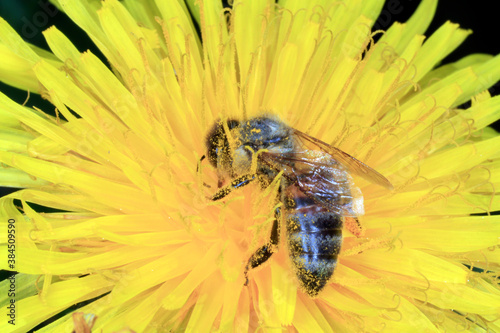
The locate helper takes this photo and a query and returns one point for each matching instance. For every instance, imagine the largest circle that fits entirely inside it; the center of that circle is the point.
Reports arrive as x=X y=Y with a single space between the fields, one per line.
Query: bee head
x=218 y=150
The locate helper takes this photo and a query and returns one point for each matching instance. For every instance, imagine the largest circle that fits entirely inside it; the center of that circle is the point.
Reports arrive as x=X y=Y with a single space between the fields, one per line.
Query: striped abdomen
x=314 y=237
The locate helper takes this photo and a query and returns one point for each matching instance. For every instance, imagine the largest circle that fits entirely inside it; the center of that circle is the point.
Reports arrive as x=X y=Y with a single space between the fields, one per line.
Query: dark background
x=31 y=17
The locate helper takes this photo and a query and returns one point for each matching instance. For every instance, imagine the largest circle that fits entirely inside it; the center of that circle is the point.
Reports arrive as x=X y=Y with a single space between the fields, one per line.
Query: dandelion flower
x=131 y=232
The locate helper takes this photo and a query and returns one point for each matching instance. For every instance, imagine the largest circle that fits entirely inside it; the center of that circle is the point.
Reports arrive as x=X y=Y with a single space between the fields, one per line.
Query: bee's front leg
x=234 y=185
x=266 y=251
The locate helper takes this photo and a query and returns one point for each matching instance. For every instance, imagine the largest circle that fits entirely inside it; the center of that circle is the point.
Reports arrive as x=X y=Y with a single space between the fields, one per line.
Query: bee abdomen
x=314 y=242
x=313 y=271
x=326 y=242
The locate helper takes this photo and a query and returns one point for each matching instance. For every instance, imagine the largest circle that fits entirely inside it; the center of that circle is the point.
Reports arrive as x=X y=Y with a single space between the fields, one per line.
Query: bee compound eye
x=217 y=142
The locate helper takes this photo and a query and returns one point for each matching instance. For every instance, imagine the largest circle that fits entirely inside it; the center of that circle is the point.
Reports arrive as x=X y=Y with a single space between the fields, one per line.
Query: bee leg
x=198 y=165
x=354 y=226
x=220 y=181
x=235 y=184
x=266 y=251
x=198 y=169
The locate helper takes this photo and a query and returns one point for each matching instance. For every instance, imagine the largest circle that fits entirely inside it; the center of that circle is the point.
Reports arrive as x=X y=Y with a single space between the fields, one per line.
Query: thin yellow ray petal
x=208 y=304
x=220 y=57
x=451 y=321
x=438 y=201
x=368 y=92
x=147 y=36
x=18 y=58
x=232 y=294
x=70 y=94
x=251 y=18
x=14 y=140
x=83 y=14
x=157 y=271
x=179 y=26
x=116 y=96
x=448 y=69
x=88 y=224
x=419 y=116
x=333 y=97
x=342 y=16
x=214 y=32
x=461 y=204
x=60 y=263
x=15 y=43
x=265 y=307
x=137 y=314
x=143 y=12
x=44 y=147
x=477 y=117
x=60 y=45
x=42 y=125
x=469 y=155
x=244 y=309
x=11 y=215
x=125 y=198
x=412 y=263
x=357 y=37
x=449 y=240
x=16 y=71
x=463 y=299
x=99 y=135
x=371 y=9
x=284 y=293
x=488 y=73
x=372 y=291
x=25 y=286
x=308 y=317
x=102 y=171
x=481 y=179
x=96 y=308
x=176 y=298
x=472 y=80
x=36 y=309
x=417 y=24
x=278 y=92
x=346 y=300
x=63 y=199
x=9 y=120
x=438 y=46
x=408 y=318
x=122 y=42
x=472 y=223
x=195 y=10
x=149 y=239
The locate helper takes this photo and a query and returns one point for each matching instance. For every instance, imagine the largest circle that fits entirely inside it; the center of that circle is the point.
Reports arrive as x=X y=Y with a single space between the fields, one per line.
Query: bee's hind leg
x=354 y=226
x=266 y=251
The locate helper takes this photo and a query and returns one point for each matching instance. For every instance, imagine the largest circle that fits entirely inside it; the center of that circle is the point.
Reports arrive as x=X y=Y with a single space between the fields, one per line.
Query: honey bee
x=316 y=190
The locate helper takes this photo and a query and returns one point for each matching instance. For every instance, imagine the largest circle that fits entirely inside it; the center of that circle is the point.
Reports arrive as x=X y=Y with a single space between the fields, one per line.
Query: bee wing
x=321 y=178
x=350 y=163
